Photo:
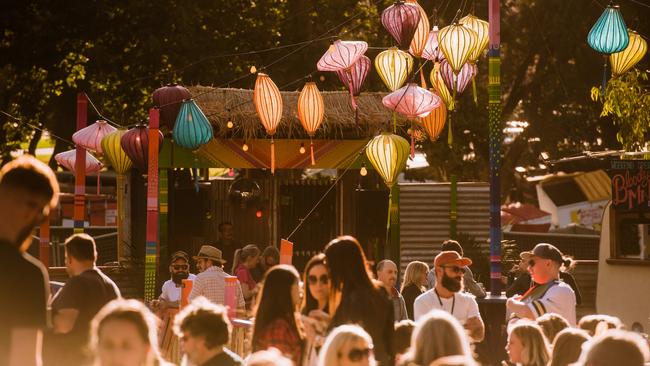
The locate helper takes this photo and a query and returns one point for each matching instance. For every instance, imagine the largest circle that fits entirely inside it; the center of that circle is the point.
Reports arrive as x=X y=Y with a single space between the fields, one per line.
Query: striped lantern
x=482 y=28
x=311 y=110
x=457 y=43
x=341 y=55
x=113 y=151
x=609 y=34
x=192 y=128
x=440 y=88
x=67 y=159
x=393 y=67
x=461 y=81
x=388 y=153
x=421 y=33
x=401 y=21
x=630 y=56
x=431 y=49
x=354 y=76
x=268 y=104
x=434 y=123
x=135 y=143
x=90 y=137
x=412 y=101
x=169 y=99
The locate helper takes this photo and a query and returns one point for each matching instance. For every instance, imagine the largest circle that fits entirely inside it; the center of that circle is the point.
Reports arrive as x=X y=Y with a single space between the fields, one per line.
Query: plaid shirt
x=211 y=284
x=281 y=335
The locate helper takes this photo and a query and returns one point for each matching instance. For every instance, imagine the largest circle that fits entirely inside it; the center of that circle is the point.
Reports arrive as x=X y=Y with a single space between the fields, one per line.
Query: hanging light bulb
x=231 y=172
x=363 y=171
x=302 y=148
x=244 y=146
x=230 y=124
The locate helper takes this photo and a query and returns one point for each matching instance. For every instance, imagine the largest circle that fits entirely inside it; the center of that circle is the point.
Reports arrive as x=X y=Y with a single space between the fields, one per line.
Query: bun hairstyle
x=568 y=263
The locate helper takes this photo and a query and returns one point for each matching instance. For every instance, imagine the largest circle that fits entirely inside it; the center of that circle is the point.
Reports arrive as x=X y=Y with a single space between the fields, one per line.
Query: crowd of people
x=338 y=312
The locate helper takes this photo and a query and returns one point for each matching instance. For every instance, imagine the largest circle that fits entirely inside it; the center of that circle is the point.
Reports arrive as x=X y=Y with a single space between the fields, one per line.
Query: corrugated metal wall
x=424 y=217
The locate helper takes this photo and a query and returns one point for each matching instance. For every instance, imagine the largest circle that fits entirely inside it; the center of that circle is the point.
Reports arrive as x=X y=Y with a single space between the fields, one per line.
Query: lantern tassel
x=474 y=91
x=99 y=182
x=412 y=144
x=450 y=138
x=604 y=86
x=272 y=156
x=422 y=81
x=311 y=148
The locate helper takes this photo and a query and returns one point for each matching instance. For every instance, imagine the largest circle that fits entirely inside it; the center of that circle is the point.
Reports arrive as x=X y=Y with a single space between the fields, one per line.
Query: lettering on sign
x=631 y=185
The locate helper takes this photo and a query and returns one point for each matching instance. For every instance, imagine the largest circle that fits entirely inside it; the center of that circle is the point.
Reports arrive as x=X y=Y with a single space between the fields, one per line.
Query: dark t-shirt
x=225 y=358
x=87 y=293
x=228 y=252
x=25 y=292
x=410 y=293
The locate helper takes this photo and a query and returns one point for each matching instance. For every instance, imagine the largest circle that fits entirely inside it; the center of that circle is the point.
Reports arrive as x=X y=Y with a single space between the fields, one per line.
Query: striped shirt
x=211 y=284
x=559 y=299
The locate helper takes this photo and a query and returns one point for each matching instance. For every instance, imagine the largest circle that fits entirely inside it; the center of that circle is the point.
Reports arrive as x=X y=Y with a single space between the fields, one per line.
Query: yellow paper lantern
x=482 y=29
x=311 y=110
x=630 y=56
x=421 y=33
x=434 y=123
x=387 y=153
x=268 y=104
x=113 y=151
x=457 y=43
x=393 y=67
x=440 y=88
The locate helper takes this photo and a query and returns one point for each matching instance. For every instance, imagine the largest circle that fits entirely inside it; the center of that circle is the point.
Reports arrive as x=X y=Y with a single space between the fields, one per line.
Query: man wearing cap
x=179 y=268
x=211 y=282
x=447 y=295
x=549 y=294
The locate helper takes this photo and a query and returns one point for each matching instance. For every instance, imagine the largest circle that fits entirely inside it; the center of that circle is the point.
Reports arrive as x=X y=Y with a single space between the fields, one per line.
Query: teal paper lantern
x=192 y=128
x=609 y=34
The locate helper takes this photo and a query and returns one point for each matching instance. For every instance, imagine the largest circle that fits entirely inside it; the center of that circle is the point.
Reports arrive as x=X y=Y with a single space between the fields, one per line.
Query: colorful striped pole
x=79 y=212
x=494 y=111
x=163 y=196
x=151 y=247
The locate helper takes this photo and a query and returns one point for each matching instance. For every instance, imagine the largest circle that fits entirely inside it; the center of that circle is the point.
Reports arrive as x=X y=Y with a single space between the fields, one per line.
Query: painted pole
x=80 y=168
x=152 y=248
x=163 y=231
x=494 y=113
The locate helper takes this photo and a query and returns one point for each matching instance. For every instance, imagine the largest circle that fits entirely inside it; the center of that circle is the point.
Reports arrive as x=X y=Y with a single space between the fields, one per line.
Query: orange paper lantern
x=268 y=104
x=434 y=123
x=311 y=110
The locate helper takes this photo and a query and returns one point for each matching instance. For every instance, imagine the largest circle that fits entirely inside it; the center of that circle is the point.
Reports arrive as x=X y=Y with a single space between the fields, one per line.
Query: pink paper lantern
x=401 y=21
x=90 y=137
x=342 y=55
x=354 y=77
x=460 y=81
x=431 y=50
x=412 y=101
x=67 y=159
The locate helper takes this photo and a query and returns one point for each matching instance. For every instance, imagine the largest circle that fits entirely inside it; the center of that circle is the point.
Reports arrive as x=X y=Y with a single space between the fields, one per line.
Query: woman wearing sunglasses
x=347 y=345
x=314 y=306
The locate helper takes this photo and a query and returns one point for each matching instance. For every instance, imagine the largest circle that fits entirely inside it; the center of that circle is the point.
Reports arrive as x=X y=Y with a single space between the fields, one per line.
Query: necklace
x=453 y=301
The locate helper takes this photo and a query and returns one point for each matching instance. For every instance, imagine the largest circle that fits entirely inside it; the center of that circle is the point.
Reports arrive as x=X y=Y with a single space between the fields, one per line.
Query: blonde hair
x=437 y=334
x=567 y=346
x=329 y=354
x=535 y=348
x=414 y=270
x=251 y=250
x=551 y=325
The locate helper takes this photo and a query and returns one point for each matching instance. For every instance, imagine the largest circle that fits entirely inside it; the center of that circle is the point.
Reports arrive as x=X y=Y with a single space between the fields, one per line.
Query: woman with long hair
x=355 y=298
x=124 y=332
x=277 y=323
x=346 y=345
x=414 y=285
x=314 y=306
x=437 y=334
x=245 y=260
x=527 y=345
x=567 y=346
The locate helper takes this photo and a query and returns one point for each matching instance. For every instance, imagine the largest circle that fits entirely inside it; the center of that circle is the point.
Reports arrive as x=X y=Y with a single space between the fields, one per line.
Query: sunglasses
x=180 y=267
x=324 y=279
x=455 y=269
x=357 y=354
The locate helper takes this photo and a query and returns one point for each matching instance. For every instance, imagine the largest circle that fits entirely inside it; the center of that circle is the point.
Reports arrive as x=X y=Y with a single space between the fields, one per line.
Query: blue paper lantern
x=192 y=128
x=609 y=34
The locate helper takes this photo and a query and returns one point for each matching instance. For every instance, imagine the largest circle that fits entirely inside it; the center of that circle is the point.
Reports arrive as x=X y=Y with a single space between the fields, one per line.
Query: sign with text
x=630 y=185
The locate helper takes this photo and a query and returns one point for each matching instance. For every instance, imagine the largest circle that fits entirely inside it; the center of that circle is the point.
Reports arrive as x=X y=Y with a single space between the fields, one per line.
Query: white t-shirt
x=559 y=299
x=464 y=305
x=172 y=293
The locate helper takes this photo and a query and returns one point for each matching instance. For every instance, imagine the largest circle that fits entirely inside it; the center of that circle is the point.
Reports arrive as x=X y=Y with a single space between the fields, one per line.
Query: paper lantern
x=421 y=32
x=630 y=56
x=482 y=29
x=440 y=88
x=393 y=67
x=609 y=34
x=354 y=76
x=434 y=123
x=90 y=137
x=388 y=153
x=67 y=159
x=311 y=110
x=135 y=143
x=412 y=101
x=111 y=145
x=431 y=49
x=268 y=104
x=458 y=82
x=169 y=99
x=341 y=55
x=401 y=21
x=457 y=43
x=192 y=128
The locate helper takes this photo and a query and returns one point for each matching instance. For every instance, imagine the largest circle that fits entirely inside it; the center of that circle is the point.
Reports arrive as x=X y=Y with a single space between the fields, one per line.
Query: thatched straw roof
x=220 y=105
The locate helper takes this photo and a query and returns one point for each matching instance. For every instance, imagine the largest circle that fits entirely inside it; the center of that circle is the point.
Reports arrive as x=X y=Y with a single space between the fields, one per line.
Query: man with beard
x=180 y=270
x=387 y=275
x=447 y=295
x=28 y=191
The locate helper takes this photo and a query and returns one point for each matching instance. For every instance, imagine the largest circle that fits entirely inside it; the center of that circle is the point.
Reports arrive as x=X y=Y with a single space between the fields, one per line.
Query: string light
x=363 y=171
x=302 y=148
x=244 y=146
